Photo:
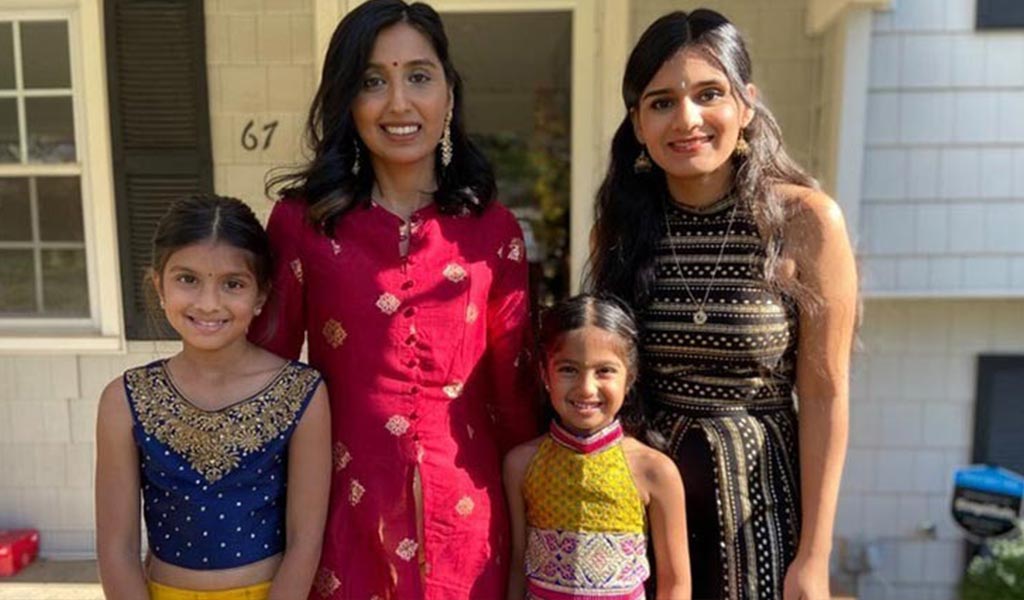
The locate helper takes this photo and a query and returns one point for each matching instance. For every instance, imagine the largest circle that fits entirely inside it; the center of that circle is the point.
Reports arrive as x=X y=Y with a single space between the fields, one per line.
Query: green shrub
x=999 y=576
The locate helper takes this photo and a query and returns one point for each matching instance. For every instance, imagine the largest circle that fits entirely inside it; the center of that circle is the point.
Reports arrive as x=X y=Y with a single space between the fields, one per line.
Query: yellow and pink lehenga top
x=585 y=520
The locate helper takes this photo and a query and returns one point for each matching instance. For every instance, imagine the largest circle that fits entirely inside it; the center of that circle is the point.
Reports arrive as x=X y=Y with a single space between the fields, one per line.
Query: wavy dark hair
x=629 y=214
x=608 y=313
x=326 y=182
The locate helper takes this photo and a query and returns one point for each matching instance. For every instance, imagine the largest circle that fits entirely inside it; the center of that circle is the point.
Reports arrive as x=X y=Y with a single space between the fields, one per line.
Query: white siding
x=911 y=424
x=943 y=193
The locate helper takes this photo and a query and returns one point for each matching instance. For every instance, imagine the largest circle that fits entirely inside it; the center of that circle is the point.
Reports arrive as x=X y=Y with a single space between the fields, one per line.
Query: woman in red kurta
x=409 y=285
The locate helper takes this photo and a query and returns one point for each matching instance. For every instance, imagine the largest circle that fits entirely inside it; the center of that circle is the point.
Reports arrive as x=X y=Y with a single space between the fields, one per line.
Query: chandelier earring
x=742 y=147
x=642 y=164
x=446 y=141
x=355 y=160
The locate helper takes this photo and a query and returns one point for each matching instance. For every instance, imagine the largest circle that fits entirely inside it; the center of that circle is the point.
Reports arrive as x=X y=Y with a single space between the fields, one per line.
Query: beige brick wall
x=47 y=433
x=787 y=62
x=260 y=56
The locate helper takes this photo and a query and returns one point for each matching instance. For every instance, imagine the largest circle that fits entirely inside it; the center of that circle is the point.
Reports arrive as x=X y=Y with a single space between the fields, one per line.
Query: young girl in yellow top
x=227 y=444
x=583 y=497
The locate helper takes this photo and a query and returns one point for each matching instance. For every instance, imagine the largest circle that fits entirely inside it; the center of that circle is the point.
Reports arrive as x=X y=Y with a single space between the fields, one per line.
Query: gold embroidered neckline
x=181 y=394
x=214 y=442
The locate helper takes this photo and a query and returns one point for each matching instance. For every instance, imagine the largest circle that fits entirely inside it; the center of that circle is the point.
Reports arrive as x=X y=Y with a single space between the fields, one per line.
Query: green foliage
x=998 y=576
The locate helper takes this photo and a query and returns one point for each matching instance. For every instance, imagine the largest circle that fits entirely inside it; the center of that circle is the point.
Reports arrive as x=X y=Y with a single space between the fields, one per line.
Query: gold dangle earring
x=355 y=161
x=742 y=147
x=642 y=164
x=446 y=141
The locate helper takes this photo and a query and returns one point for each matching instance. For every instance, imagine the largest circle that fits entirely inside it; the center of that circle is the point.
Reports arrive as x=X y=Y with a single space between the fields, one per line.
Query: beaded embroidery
x=214 y=442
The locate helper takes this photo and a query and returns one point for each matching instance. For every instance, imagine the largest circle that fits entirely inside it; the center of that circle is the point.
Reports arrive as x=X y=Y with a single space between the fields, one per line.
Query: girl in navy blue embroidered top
x=213 y=437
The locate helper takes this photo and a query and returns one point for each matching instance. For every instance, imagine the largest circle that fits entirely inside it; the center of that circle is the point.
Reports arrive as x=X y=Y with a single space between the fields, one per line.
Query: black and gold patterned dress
x=721 y=395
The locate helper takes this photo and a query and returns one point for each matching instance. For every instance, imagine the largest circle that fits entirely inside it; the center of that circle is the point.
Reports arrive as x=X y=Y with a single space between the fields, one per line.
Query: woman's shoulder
x=500 y=217
x=812 y=214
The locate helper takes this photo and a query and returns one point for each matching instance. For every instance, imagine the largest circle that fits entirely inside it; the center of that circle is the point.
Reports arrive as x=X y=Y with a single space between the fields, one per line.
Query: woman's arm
x=510 y=340
x=515 y=468
x=309 y=484
x=667 y=514
x=281 y=326
x=825 y=265
x=117 y=498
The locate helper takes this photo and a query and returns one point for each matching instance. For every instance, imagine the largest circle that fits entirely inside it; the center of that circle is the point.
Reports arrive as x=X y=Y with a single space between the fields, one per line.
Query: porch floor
x=54 y=580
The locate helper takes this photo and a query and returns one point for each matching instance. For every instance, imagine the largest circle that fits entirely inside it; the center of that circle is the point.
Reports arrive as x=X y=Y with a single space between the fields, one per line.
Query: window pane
x=15 y=210
x=44 y=54
x=65 y=287
x=10 y=144
x=60 y=209
x=7 y=81
x=51 y=129
x=17 y=287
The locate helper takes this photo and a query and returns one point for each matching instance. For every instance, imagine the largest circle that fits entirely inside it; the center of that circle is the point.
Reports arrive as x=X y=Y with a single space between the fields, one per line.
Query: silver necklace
x=700 y=316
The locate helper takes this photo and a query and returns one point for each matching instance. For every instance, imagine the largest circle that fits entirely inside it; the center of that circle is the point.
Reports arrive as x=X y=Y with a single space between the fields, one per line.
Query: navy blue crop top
x=214 y=482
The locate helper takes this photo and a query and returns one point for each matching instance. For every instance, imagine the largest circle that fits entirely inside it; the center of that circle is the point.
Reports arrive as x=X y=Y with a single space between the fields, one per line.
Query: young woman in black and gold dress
x=741 y=272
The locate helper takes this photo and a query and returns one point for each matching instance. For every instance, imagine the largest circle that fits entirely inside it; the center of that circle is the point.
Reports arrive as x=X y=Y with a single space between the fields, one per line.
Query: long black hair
x=629 y=210
x=327 y=182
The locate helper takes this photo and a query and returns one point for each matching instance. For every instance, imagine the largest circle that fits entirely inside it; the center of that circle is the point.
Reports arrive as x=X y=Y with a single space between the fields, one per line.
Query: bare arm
x=117 y=498
x=516 y=463
x=309 y=482
x=825 y=265
x=667 y=513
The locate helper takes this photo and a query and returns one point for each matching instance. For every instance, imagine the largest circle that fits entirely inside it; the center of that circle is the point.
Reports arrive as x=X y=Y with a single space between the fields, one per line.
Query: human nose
x=208 y=298
x=588 y=384
x=397 y=99
x=689 y=115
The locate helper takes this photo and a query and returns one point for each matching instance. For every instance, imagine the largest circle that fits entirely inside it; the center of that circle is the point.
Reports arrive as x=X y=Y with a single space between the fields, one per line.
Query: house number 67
x=251 y=141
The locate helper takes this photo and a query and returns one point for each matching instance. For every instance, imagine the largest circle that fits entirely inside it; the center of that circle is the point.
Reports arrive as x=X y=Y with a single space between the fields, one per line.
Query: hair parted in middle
x=608 y=313
x=629 y=207
x=328 y=182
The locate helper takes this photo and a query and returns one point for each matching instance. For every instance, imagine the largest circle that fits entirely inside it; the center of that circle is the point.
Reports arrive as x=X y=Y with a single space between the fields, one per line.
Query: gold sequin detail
x=397 y=425
x=388 y=303
x=406 y=549
x=355 y=492
x=341 y=456
x=465 y=506
x=213 y=442
x=472 y=312
x=296 y=266
x=453 y=390
x=334 y=333
x=516 y=250
x=326 y=582
x=454 y=272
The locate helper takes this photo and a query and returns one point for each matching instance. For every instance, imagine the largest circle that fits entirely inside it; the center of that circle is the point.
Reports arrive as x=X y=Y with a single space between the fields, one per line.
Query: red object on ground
x=18 y=548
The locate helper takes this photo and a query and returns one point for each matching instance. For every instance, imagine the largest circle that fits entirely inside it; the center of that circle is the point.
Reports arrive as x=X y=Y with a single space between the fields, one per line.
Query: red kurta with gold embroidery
x=424 y=358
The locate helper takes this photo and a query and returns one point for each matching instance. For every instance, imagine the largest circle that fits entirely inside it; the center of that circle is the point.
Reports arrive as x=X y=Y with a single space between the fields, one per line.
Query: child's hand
x=807 y=578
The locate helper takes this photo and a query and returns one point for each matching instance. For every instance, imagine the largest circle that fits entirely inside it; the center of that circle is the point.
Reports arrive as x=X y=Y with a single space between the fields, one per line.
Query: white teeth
x=402 y=130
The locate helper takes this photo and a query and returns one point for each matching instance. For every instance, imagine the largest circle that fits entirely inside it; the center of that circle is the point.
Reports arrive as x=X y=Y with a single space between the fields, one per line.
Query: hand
x=807 y=578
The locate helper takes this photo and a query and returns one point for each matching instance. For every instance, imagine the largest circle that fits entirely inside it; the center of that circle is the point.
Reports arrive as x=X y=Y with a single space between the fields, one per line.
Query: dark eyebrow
x=699 y=84
x=418 y=62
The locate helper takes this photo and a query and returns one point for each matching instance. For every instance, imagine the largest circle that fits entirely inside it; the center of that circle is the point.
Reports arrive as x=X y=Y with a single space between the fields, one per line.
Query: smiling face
x=587 y=378
x=689 y=117
x=209 y=294
x=404 y=98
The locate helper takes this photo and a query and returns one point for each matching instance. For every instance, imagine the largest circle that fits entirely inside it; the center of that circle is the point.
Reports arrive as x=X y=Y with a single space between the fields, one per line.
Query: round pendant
x=700 y=317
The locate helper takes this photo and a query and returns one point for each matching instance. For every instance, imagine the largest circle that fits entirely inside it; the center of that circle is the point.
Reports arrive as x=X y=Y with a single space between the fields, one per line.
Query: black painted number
x=250 y=141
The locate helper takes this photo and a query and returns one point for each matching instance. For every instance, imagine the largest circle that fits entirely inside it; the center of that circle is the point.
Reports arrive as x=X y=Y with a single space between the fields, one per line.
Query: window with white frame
x=43 y=266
